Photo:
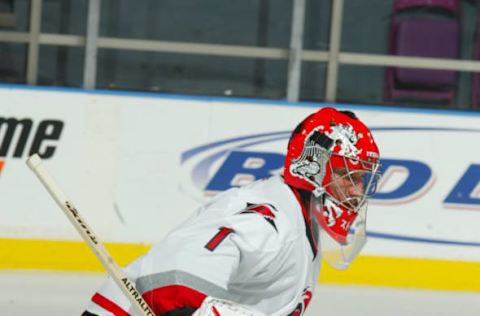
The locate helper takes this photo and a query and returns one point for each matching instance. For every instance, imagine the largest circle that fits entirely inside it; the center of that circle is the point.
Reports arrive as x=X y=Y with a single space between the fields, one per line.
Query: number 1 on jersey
x=218 y=238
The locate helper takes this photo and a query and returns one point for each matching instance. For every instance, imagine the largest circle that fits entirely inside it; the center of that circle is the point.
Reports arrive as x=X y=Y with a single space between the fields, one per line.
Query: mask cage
x=362 y=180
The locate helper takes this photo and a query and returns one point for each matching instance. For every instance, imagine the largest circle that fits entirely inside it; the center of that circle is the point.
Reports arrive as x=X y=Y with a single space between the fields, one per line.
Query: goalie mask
x=333 y=155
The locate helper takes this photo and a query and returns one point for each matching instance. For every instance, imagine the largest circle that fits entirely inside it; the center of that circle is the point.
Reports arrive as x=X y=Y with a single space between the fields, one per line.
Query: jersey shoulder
x=266 y=209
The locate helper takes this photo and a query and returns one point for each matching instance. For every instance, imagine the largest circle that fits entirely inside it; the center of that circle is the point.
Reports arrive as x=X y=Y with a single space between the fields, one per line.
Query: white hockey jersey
x=252 y=245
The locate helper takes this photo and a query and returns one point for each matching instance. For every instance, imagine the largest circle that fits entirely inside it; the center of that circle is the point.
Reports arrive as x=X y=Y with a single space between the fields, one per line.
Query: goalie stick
x=128 y=288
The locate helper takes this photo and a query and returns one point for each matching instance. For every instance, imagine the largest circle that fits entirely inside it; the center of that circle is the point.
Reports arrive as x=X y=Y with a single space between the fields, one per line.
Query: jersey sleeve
x=203 y=257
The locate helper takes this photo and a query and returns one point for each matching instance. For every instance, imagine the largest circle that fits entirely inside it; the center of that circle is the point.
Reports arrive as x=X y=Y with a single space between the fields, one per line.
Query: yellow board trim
x=366 y=270
x=62 y=255
x=407 y=273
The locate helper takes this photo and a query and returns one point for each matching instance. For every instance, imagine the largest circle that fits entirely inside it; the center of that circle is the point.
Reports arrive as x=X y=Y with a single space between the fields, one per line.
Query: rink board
x=366 y=270
x=136 y=165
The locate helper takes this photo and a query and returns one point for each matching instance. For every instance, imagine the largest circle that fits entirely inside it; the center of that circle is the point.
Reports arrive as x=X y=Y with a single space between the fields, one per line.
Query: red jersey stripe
x=108 y=305
x=308 y=224
x=173 y=297
x=215 y=311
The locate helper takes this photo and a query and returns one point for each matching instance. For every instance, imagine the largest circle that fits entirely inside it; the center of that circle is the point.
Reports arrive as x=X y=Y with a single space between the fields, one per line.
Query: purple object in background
x=425 y=35
x=421 y=38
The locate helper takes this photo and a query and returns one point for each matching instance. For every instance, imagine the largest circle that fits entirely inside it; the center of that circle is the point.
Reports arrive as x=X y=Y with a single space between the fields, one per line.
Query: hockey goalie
x=256 y=250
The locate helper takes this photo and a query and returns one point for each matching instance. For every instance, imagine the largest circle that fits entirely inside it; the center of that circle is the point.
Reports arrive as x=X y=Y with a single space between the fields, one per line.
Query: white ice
x=60 y=294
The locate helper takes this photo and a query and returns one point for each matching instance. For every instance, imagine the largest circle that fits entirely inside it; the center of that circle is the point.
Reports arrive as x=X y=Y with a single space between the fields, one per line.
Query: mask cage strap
x=373 y=173
x=322 y=140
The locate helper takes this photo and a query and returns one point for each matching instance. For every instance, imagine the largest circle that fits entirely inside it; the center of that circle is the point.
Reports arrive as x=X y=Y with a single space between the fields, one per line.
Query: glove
x=217 y=307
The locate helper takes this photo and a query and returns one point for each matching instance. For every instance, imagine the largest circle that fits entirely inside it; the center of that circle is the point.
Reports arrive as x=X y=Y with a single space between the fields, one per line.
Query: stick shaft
x=127 y=287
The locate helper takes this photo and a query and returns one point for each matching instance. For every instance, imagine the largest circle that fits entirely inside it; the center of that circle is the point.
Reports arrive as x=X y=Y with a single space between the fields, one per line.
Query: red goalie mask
x=333 y=155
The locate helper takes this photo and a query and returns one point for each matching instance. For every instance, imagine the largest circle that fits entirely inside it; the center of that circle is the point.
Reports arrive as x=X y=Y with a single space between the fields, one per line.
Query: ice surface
x=60 y=294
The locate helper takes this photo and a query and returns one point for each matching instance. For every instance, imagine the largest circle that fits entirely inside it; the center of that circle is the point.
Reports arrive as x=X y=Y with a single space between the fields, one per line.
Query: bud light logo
x=233 y=162
x=237 y=161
